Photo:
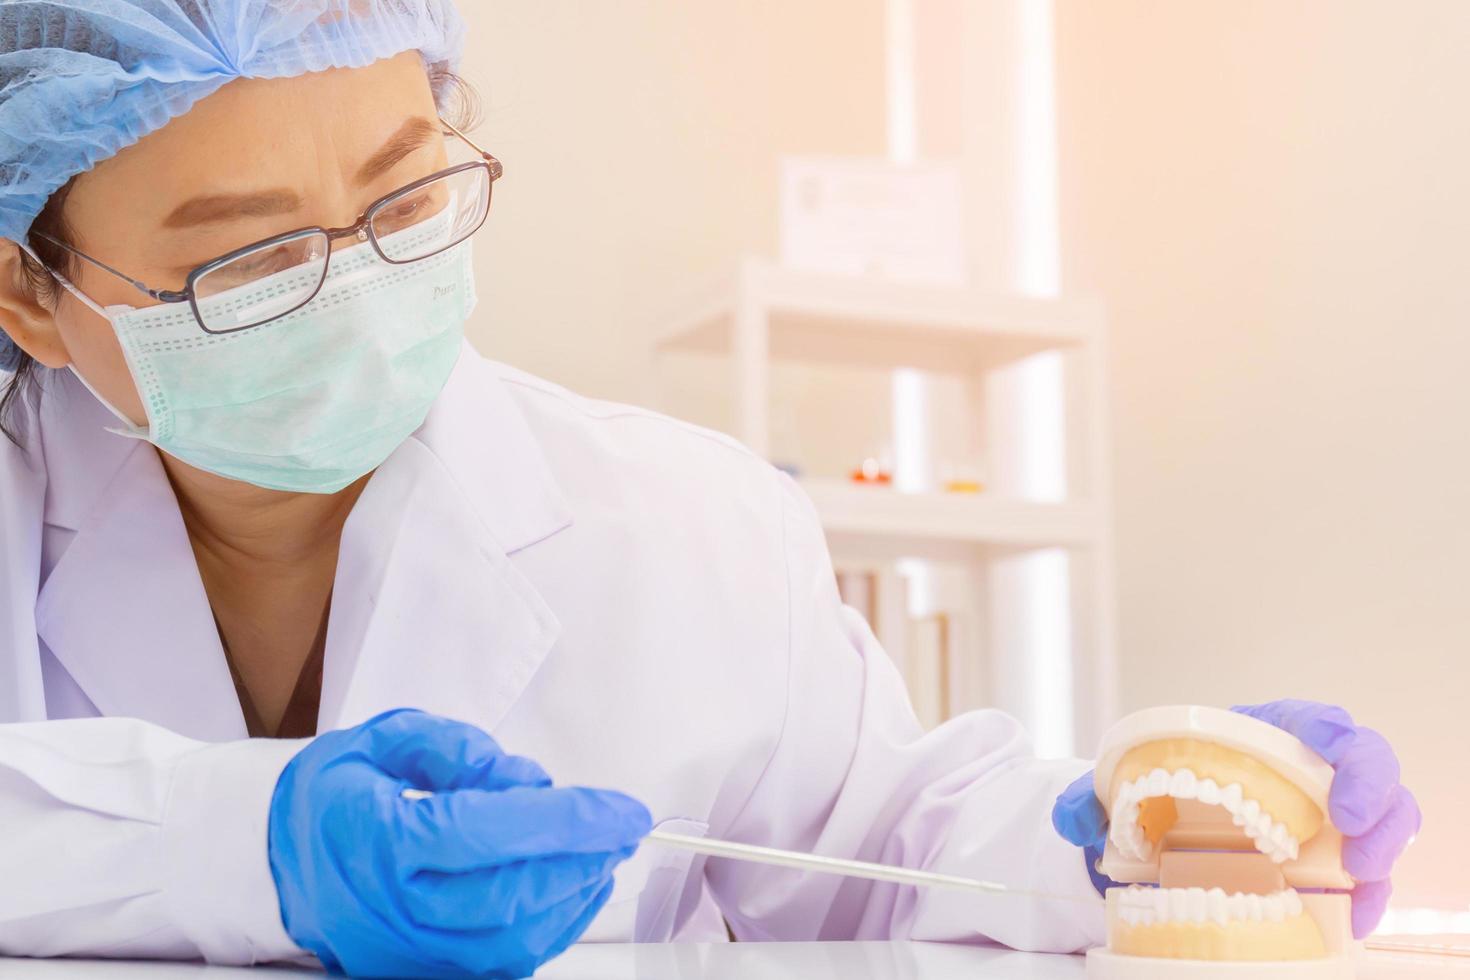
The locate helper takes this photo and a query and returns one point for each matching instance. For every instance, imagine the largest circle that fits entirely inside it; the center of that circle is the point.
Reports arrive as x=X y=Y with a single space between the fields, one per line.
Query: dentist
x=276 y=545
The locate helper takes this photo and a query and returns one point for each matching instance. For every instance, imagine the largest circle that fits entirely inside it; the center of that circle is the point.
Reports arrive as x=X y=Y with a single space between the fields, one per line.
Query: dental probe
x=824 y=865
x=843 y=866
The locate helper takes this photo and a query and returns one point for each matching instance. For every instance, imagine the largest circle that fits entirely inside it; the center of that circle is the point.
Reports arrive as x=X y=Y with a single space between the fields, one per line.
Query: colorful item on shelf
x=872 y=471
x=964 y=486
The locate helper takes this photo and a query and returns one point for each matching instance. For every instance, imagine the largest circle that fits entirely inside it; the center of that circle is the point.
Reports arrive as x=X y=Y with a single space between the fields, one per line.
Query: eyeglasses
x=401 y=226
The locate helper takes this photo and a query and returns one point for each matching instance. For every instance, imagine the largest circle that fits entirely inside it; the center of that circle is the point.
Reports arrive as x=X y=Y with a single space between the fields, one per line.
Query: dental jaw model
x=1215 y=820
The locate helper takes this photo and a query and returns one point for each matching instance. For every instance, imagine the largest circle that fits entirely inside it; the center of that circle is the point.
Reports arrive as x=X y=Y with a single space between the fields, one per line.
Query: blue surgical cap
x=80 y=80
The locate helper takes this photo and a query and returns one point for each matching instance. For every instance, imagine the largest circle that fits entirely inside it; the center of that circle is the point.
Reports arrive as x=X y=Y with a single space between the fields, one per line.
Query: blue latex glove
x=1377 y=816
x=1079 y=817
x=491 y=876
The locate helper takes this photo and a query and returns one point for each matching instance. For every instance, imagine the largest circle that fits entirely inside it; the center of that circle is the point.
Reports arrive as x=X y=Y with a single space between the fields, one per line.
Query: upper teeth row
x=1147 y=906
x=1270 y=837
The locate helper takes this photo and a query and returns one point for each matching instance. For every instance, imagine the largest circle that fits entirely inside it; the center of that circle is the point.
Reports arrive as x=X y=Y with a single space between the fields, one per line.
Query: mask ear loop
x=130 y=429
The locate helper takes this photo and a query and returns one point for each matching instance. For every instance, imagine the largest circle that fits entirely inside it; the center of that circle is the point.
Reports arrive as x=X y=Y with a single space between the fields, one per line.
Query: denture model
x=1216 y=819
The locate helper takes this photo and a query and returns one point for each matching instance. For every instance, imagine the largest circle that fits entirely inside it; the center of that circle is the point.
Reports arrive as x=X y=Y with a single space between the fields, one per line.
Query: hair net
x=81 y=80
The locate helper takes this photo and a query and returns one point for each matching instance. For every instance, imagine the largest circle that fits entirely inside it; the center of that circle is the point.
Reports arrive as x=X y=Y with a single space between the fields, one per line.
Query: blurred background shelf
x=881 y=521
x=1001 y=598
x=911 y=328
x=866 y=322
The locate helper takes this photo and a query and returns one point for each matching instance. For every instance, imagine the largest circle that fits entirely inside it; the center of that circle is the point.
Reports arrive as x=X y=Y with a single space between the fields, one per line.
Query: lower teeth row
x=1149 y=906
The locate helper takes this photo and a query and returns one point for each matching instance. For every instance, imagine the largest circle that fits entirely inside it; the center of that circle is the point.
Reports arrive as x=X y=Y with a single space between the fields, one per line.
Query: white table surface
x=743 y=961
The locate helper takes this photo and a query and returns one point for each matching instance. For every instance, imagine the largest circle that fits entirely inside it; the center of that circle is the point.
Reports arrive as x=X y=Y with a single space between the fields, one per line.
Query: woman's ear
x=22 y=315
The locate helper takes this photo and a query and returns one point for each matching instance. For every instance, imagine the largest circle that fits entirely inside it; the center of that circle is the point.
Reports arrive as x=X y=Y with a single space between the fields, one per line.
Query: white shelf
x=758 y=314
x=853 y=320
x=879 y=520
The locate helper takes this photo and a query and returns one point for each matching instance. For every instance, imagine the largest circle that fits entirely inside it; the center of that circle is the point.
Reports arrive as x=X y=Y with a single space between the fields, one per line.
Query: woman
x=258 y=488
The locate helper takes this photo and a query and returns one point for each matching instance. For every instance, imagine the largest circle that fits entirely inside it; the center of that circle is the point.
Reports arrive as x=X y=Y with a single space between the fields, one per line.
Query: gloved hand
x=490 y=876
x=1377 y=816
x=1080 y=819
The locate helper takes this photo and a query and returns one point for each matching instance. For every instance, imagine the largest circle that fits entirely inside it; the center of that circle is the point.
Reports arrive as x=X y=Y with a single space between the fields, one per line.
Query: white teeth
x=1260 y=832
x=1219 y=906
x=1124 y=830
x=1271 y=838
x=1199 y=904
x=1147 y=906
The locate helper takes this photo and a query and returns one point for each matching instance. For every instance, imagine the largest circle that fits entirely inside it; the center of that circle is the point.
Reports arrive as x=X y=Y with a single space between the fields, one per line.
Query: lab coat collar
x=484 y=442
x=81 y=456
x=125 y=612
x=428 y=609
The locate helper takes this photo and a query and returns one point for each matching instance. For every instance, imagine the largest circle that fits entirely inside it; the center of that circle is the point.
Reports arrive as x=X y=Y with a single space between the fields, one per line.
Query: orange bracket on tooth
x=1158 y=815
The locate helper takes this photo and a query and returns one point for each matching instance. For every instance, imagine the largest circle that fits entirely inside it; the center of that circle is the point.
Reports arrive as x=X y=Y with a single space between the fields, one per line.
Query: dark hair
x=458 y=103
x=41 y=284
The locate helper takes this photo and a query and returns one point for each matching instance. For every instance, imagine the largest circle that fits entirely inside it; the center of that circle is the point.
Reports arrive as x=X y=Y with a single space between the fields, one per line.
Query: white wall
x=1275 y=200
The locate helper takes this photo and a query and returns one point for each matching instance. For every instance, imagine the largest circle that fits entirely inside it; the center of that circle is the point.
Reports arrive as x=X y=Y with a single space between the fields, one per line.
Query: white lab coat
x=632 y=601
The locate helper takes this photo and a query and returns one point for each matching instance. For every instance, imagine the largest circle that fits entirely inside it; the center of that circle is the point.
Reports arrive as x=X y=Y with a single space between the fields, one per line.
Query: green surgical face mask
x=310 y=402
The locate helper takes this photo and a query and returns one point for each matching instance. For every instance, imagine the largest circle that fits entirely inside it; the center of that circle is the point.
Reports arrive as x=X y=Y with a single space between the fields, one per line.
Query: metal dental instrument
x=842 y=866
x=827 y=865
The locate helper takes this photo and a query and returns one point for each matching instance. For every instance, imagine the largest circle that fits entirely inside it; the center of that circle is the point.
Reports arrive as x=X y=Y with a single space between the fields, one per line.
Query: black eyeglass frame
x=362 y=229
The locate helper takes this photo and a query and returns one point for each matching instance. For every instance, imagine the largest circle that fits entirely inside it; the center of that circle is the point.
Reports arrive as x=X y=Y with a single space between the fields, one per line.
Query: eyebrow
x=210 y=208
x=230 y=207
x=411 y=136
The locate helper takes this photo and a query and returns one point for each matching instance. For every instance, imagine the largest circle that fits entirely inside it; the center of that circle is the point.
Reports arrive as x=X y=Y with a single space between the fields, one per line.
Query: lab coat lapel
x=125 y=611
x=429 y=611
